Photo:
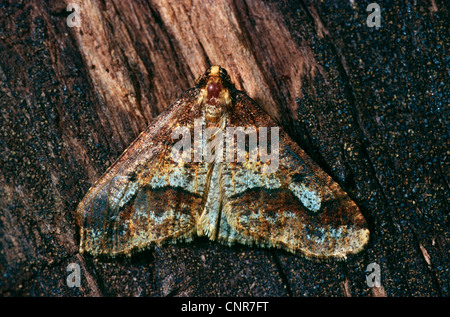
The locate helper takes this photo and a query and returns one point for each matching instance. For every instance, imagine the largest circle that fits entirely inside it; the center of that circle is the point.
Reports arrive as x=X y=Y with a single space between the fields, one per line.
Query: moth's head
x=215 y=95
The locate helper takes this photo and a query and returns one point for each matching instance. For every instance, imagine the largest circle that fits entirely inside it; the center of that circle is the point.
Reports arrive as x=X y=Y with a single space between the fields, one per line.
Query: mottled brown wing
x=145 y=196
x=298 y=207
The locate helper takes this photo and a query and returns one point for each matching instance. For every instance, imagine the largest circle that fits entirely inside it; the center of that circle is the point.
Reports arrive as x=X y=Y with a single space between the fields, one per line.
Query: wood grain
x=367 y=104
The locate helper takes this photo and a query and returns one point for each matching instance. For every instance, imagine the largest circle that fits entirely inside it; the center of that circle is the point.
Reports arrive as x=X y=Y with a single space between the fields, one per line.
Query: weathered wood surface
x=370 y=105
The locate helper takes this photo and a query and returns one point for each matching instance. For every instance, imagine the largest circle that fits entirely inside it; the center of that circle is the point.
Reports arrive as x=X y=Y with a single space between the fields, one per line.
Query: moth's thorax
x=215 y=96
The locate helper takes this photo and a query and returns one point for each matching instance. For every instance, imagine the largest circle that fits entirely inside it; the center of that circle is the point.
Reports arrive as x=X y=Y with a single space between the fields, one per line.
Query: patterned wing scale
x=145 y=197
x=298 y=207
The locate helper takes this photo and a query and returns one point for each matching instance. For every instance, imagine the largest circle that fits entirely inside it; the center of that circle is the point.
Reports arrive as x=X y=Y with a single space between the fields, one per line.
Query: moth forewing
x=147 y=164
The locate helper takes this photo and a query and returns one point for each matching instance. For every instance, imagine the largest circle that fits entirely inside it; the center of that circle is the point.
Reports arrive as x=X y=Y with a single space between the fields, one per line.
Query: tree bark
x=370 y=105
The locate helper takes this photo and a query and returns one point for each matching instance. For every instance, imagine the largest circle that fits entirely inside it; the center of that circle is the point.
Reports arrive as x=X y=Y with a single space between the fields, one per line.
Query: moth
x=151 y=195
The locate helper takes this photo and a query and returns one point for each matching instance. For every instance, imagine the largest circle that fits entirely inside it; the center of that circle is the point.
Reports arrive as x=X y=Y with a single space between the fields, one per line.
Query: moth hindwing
x=215 y=164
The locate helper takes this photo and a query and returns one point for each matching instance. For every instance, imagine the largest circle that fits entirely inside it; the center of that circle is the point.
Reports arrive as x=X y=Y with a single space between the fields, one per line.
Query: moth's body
x=146 y=197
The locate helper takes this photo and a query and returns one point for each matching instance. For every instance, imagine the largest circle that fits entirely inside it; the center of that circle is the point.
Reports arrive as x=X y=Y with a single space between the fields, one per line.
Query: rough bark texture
x=370 y=105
